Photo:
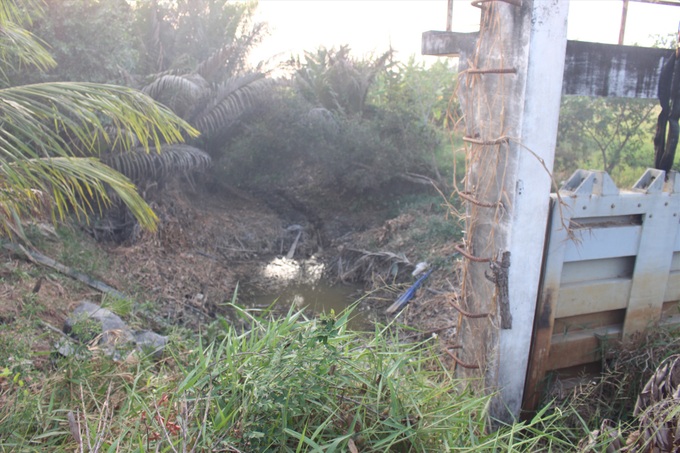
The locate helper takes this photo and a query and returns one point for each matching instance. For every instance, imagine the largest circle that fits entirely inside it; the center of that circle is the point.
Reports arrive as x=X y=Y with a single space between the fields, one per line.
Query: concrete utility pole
x=510 y=95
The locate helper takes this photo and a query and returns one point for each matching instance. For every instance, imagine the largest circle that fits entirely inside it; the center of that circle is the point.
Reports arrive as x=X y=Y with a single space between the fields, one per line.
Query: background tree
x=38 y=124
x=90 y=40
x=198 y=46
x=213 y=108
x=342 y=124
x=334 y=80
x=424 y=93
x=426 y=89
x=611 y=134
x=119 y=40
x=615 y=135
x=197 y=51
x=180 y=34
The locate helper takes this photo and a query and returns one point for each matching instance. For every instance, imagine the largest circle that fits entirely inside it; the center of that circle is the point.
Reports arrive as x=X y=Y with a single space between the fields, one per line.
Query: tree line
x=326 y=119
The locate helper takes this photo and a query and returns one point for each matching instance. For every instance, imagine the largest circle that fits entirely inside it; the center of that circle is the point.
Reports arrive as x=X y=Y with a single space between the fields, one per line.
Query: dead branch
x=39 y=258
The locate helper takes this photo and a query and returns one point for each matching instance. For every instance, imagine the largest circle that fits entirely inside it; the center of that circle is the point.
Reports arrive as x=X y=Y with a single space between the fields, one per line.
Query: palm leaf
x=39 y=122
x=658 y=409
x=228 y=101
x=211 y=107
x=17 y=11
x=19 y=47
x=214 y=64
x=178 y=91
x=37 y=117
x=337 y=82
x=139 y=165
x=59 y=185
x=191 y=84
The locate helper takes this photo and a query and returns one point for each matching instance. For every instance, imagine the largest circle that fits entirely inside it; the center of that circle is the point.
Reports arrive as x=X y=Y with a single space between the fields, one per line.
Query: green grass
x=77 y=252
x=284 y=385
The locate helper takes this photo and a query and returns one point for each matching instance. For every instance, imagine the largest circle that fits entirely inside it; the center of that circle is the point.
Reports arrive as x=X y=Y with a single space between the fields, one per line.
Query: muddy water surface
x=300 y=283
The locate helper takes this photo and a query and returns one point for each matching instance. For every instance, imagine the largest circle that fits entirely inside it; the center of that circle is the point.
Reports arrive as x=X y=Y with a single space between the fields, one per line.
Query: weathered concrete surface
x=511 y=127
x=591 y=69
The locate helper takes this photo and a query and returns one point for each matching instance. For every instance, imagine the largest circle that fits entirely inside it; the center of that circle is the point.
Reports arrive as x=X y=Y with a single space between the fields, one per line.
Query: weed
x=76 y=254
x=30 y=305
x=287 y=384
x=14 y=355
x=18 y=274
x=436 y=230
x=121 y=307
x=627 y=366
x=85 y=328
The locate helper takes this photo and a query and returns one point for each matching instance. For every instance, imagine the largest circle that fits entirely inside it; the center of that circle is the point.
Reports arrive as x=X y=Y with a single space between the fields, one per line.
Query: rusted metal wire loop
x=467 y=314
x=466 y=197
x=476 y=141
x=476 y=259
x=460 y=362
x=492 y=71
x=480 y=3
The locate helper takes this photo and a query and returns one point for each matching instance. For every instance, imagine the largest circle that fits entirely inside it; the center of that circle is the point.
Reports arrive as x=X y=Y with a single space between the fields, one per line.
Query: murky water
x=300 y=283
x=283 y=271
x=318 y=298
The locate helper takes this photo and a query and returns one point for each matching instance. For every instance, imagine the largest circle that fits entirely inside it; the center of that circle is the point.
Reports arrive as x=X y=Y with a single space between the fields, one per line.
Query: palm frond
x=38 y=124
x=216 y=62
x=139 y=165
x=209 y=107
x=178 y=91
x=191 y=84
x=241 y=48
x=228 y=102
x=334 y=80
x=36 y=118
x=57 y=185
x=18 y=46
x=19 y=11
x=658 y=409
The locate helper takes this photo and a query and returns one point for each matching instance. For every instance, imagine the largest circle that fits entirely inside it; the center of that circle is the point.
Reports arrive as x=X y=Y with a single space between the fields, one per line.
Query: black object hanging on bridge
x=669 y=98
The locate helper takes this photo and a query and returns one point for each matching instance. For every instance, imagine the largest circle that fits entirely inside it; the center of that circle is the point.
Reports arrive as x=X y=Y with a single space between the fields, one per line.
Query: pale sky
x=370 y=26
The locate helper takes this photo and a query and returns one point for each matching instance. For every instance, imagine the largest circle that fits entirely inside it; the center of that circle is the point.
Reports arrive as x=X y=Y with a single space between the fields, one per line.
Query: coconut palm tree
x=40 y=167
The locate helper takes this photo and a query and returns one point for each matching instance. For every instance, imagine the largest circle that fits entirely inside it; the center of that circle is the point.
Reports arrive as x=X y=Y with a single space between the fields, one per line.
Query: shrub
x=295 y=144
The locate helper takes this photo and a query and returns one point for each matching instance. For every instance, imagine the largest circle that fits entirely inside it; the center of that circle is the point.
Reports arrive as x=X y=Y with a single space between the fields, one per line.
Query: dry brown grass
x=633 y=405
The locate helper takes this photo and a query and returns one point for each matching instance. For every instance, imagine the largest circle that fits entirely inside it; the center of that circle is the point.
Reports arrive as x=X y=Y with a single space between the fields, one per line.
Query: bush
x=295 y=144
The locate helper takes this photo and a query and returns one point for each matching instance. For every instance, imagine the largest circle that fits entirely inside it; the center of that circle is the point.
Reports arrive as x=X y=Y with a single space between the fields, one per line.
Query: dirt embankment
x=210 y=243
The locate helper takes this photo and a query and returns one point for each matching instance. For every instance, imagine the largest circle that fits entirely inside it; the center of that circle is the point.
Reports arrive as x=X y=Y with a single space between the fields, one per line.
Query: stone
x=89 y=320
x=149 y=342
